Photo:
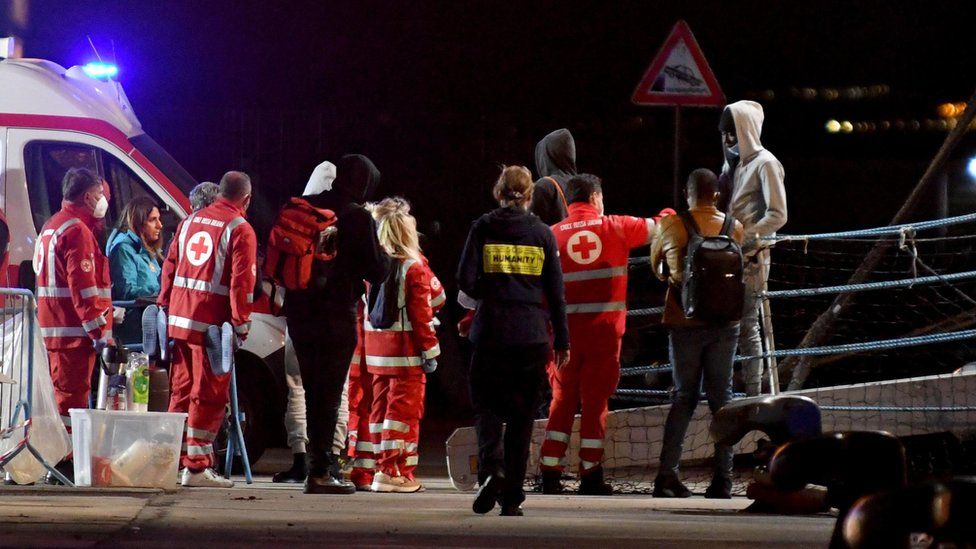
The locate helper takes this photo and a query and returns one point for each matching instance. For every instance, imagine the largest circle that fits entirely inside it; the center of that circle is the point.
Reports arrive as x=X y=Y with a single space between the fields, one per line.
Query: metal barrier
x=18 y=321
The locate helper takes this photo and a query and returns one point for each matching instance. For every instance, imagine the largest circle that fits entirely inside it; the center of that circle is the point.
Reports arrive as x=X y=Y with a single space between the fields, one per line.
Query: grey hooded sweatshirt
x=555 y=159
x=758 y=195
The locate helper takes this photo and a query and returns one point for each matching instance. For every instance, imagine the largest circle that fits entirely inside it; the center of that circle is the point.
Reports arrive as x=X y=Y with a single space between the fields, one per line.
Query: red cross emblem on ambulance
x=584 y=247
x=200 y=248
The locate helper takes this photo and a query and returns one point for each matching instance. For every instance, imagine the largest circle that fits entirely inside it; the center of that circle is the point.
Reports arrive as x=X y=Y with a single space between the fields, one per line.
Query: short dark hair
x=702 y=184
x=235 y=185
x=77 y=182
x=582 y=186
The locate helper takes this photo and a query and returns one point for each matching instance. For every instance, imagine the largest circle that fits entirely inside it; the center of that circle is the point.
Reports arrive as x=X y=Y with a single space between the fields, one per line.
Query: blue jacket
x=134 y=271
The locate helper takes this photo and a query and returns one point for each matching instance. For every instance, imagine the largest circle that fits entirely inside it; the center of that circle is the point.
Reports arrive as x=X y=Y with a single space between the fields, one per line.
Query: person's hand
x=464 y=326
x=562 y=358
x=118 y=314
x=663 y=213
x=430 y=365
x=751 y=244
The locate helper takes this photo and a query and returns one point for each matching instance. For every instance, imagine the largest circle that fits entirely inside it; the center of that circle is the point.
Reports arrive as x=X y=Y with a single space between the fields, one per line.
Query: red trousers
x=398 y=405
x=362 y=440
x=71 y=373
x=585 y=384
x=197 y=390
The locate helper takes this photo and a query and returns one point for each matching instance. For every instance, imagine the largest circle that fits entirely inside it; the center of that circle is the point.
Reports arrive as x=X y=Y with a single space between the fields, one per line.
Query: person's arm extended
x=243 y=272
x=469 y=267
x=658 y=256
x=771 y=177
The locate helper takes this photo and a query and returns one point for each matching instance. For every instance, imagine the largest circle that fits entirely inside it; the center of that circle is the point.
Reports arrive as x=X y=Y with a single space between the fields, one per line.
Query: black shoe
x=720 y=488
x=296 y=474
x=66 y=468
x=551 y=484
x=670 y=487
x=327 y=484
x=592 y=484
x=511 y=511
x=487 y=495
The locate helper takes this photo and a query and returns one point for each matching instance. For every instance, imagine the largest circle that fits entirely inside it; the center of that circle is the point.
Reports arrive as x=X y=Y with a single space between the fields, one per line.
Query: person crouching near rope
x=510 y=266
x=401 y=347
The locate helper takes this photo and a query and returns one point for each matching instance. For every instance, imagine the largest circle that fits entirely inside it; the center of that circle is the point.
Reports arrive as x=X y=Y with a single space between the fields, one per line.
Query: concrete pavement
x=278 y=515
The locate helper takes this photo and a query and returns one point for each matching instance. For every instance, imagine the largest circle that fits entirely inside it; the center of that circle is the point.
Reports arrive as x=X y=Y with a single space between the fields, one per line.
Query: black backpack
x=383 y=301
x=713 y=290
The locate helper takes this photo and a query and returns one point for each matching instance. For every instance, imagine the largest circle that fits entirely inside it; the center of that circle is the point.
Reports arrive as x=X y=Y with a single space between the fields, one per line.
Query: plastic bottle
x=137 y=382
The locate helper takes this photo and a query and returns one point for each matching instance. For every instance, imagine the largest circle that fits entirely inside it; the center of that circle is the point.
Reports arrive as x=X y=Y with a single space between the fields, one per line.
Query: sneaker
x=670 y=487
x=383 y=482
x=487 y=495
x=208 y=478
x=511 y=511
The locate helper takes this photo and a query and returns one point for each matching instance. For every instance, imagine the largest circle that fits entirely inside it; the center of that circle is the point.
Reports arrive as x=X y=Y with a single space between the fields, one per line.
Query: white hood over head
x=748 y=117
x=321 y=179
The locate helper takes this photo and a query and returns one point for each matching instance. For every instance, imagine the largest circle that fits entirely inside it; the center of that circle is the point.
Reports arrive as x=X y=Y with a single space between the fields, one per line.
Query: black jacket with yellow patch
x=510 y=263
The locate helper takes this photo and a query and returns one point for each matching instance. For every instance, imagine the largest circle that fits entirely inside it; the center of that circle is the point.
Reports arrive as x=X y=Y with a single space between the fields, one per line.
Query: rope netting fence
x=899 y=357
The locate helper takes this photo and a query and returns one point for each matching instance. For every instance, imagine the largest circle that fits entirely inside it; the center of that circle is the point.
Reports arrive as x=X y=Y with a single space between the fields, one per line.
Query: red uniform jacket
x=74 y=291
x=209 y=273
x=593 y=251
x=402 y=349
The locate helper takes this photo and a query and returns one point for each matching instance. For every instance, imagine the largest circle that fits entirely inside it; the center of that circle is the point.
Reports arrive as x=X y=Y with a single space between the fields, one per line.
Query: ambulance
x=53 y=119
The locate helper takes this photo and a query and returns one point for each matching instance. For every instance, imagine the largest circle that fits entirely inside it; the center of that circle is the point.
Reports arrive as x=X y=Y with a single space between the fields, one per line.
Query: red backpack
x=301 y=235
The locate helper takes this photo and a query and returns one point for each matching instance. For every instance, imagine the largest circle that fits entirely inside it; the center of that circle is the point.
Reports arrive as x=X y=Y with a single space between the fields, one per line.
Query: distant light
x=971 y=167
x=947 y=110
x=846 y=126
x=101 y=70
x=832 y=126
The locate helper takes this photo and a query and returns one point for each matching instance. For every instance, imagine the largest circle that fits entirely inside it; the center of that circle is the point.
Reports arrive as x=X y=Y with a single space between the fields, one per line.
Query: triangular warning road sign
x=679 y=75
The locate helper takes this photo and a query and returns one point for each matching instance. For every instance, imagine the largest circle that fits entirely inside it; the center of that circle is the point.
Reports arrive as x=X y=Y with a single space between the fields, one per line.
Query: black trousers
x=323 y=355
x=506 y=384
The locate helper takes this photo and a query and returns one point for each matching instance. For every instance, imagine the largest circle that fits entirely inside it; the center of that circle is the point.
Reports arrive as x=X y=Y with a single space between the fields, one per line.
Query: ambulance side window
x=45 y=165
x=126 y=186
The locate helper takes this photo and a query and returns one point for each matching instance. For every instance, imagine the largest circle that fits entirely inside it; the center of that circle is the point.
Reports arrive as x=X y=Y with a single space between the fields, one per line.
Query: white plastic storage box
x=131 y=449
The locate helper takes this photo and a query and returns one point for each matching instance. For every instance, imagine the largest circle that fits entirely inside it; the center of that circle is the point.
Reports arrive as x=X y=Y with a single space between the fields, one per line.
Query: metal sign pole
x=677 y=158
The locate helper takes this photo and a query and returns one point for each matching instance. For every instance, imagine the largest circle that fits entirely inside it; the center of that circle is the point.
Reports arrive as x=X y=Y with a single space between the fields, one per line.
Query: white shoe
x=383 y=482
x=208 y=478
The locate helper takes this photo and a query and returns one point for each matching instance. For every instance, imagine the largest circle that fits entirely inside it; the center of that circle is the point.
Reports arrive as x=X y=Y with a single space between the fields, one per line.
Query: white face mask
x=101 y=207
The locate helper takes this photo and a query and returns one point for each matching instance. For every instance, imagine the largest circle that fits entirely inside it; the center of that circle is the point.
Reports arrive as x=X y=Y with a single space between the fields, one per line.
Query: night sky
x=440 y=94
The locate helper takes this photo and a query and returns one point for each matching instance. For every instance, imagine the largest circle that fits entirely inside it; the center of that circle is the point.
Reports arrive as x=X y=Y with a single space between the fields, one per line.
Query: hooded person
x=555 y=161
x=295 y=418
x=756 y=198
x=322 y=318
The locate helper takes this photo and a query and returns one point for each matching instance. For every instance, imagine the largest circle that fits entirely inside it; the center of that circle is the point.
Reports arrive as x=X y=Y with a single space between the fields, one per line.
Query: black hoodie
x=513 y=309
x=337 y=287
x=555 y=157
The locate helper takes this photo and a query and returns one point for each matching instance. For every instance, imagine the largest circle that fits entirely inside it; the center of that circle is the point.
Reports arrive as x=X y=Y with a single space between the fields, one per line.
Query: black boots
x=668 y=486
x=551 y=484
x=296 y=474
x=592 y=484
x=720 y=488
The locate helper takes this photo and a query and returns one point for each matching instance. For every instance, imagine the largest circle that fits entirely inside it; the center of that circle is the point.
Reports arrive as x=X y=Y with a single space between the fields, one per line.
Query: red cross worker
x=593 y=251
x=74 y=293
x=208 y=279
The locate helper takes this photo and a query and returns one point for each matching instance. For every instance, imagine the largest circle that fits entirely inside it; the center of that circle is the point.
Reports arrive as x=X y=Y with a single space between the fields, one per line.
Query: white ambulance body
x=53 y=119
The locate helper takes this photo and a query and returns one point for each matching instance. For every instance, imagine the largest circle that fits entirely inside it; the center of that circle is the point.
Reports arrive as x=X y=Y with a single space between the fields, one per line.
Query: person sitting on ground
x=701 y=352
x=134 y=256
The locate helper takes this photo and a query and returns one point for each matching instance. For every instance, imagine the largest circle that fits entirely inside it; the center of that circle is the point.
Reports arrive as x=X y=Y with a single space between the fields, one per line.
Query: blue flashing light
x=971 y=167
x=101 y=70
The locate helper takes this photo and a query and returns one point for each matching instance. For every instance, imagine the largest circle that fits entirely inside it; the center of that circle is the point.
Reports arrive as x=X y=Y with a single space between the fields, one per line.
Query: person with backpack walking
x=400 y=347
x=510 y=269
x=699 y=254
x=321 y=309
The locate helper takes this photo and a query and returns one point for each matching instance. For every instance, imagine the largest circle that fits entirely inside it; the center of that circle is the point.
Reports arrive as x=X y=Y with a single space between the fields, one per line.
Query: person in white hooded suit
x=757 y=199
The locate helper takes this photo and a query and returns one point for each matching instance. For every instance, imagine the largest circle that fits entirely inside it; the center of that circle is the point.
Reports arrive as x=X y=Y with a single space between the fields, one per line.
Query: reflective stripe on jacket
x=74 y=291
x=209 y=272
x=593 y=251
x=403 y=347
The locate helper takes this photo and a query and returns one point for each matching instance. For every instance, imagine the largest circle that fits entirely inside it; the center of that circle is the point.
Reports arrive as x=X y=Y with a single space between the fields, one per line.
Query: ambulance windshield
x=162 y=160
